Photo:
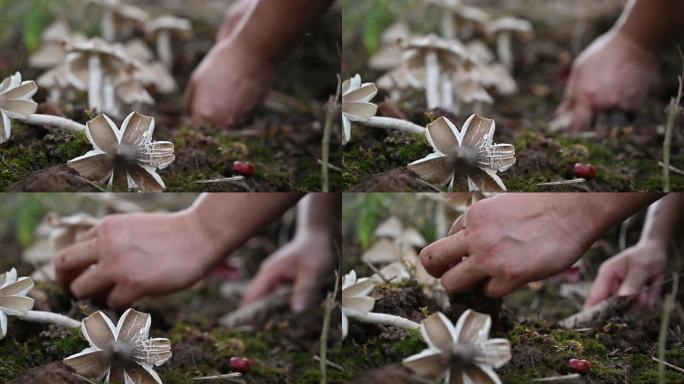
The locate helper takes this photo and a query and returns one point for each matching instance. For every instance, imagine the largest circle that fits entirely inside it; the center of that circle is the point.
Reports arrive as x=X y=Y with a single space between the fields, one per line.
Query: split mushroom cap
x=13 y=300
x=177 y=26
x=356 y=105
x=466 y=160
x=480 y=52
x=131 y=92
x=462 y=353
x=390 y=53
x=470 y=86
x=355 y=297
x=126 y=158
x=512 y=25
x=16 y=101
x=120 y=354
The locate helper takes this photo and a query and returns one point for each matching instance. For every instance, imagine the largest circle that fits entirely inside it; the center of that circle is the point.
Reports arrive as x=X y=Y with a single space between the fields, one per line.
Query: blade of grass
x=668 y=306
x=673 y=111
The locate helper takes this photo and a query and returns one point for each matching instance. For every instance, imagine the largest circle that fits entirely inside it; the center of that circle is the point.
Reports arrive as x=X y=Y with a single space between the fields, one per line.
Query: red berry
x=586 y=171
x=240 y=364
x=244 y=168
x=579 y=365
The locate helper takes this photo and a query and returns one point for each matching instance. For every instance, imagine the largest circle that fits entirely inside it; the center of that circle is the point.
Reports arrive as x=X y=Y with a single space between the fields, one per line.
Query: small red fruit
x=586 y=171
x=579 y=365
x=240 y=364
x=244 y=168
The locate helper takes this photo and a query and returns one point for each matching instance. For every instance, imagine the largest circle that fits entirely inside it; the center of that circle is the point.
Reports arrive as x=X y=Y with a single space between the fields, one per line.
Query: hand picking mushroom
x=164 y=29
x=119 y=19
x=466 y=160
x=459 y=20
x=440 y=58
x=505 y=29
x=121 y=354
x=126 y=158
x=460 y=354
x=390 y=53
x=358 y=305
x=356 y=107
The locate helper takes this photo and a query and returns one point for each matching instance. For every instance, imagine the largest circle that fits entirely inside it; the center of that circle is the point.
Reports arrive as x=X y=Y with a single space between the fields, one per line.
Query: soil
x=624 y=148
x=285 y=146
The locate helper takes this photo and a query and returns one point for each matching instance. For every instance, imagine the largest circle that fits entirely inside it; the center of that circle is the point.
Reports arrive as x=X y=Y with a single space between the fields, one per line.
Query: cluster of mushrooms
x=118 y=354
x=454 y=70
x=117 y=72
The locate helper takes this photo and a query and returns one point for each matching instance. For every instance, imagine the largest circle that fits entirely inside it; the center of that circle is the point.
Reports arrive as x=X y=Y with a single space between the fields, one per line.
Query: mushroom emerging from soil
x=505 y=29
x=390 y=53
x=466 y=160
x=126 y=158
x=13 y=300
x=165 y=28
x=440 y=58
x=358 y=305
x=458 y=19
x=460 y=354
x=123 y=353
x=119 y=18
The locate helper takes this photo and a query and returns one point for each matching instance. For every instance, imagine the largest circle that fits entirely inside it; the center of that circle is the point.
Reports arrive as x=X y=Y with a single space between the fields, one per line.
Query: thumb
x=121 y=297
x=604 y=286
x=305 y=291
x=270 y=276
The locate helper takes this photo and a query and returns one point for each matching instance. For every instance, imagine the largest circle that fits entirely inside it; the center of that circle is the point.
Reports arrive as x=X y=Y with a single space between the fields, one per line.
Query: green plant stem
x=668 y=306
x=331 y=109
x=329 y=306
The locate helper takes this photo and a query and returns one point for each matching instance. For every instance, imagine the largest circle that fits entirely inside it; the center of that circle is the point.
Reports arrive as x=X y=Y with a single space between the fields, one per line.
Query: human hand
x=228 y=85
x=510 y=240
x=235 y=14
x=306 y=261
x=629 y=272
x=128 y=257
x=613 y=72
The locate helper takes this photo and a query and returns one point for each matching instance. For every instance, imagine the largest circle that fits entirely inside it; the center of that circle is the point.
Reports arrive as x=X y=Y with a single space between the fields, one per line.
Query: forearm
x=230 y=219
x=275 y=27
x=652 y=23
x=319 y=212
x=664 y=217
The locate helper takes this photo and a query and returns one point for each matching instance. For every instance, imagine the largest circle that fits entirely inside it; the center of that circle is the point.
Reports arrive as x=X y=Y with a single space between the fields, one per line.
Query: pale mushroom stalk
x=109 y=96
x=447 y=26
x=49 y=318
x=95 y=82
x=164 y=48
x=108 y=24
x=382 y=319
x=447 y=98
x=432 y=79
x=392 y=123
x=55 y=95
x=53 y=121
x=505 y=49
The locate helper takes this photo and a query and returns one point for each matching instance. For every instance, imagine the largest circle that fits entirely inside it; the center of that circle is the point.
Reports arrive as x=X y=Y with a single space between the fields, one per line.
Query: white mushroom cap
x=480 y=52
x=114 y=58
x=179 y=27
x=397 y=31
x=390 y=53
x=137 y=49
x=124 y=11
x=56 y=32
x=130 y=91
x=59 y=77
x=157 y=75
x=507 y=24
x=462 y=11
x=402 y=79
x=449 y=52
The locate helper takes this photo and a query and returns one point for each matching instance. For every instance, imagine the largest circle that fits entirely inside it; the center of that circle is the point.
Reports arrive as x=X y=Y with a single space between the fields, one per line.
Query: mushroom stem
x=164 y=49
x=95 y=83
x=109 y=96
x=55 y=95
x=447 y=99
x=108 y=24
x=53 y=121
x=382 y=319
x=391 y=123
x=505 y=50
x=447 y=26
x=432 y=79
x=49 y=318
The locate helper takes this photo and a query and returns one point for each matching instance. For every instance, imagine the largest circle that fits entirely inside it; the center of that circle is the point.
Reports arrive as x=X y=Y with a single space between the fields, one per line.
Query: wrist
x=207 y=238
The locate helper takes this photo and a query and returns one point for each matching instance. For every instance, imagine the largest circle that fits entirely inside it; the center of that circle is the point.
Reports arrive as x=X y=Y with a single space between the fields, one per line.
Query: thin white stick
x=673 y=169
x=382 y=319
x=505 y=50
x=564 y=182
x=432 y=79
x=571 y=376
x=676 y=368
x=53 y=121
x=49 y=318
x=95 y=83
x=391 y=123
x=164 y=49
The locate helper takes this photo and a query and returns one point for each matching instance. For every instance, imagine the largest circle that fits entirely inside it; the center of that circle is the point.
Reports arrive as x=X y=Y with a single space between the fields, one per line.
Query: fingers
x=270 y=276
x=91 y=283
x=439 y=256
x=499 y=287
x=654 y=292
x=633 y=283
x=604 y=285
x=72 y=261
x=583 y=117
x=463 y=277
x=458 y=225
x=305 y=292
x=121 y=297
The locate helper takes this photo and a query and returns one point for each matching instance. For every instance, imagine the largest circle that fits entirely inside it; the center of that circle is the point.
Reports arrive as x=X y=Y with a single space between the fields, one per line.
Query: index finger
x=439 y=256
x=71 y=262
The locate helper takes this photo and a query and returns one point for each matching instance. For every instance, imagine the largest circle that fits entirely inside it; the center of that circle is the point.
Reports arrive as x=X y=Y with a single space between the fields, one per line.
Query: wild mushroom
x=401 y=80
x=130 y=93
x=100 y=62
x=505 y=29
x=457 y=16
x=440 y=58
x=57 y=81
x=356 y=107
x=460 y=354
x=119 y=18
x=390 y=53
x=358 y=305
x=480 y=52
x=53 y=49
x=123 y=353
x=394 y=242
x=470 y=89
x=137 y=49
x=164 y=29
x=14 y=302
x=126 y=158
x=155 y=75
x=466 y=160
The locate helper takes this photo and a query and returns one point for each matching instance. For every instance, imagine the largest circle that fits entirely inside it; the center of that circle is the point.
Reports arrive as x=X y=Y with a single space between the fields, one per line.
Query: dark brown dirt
x=59 y=178
x=396 y=180
x=406 y=302
x=391 y=374
x=55 y=373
